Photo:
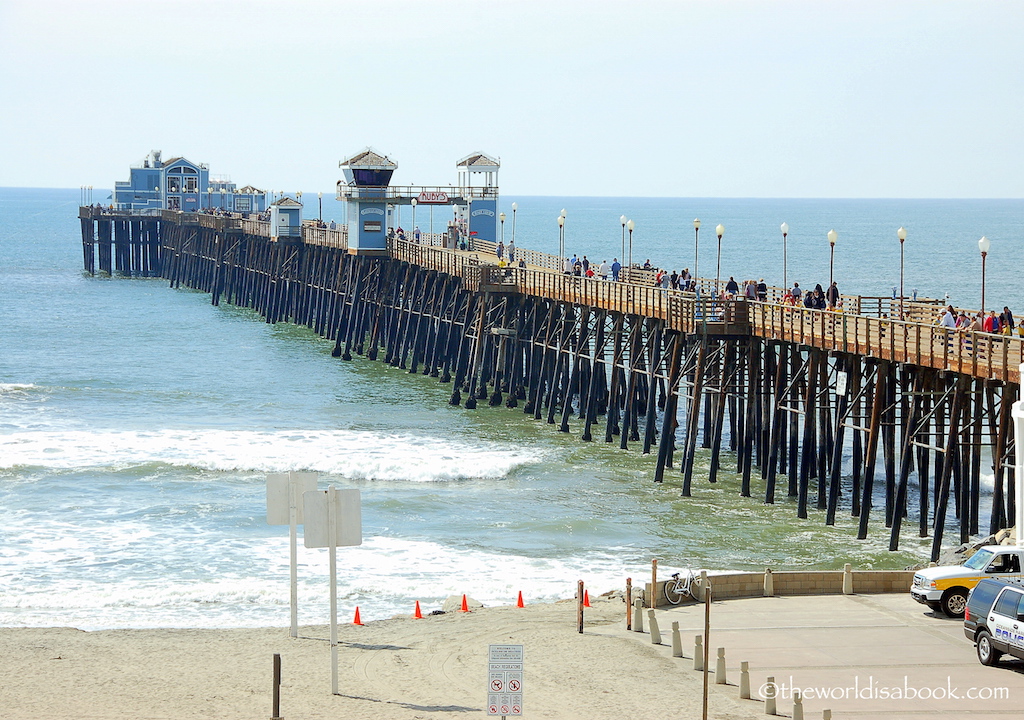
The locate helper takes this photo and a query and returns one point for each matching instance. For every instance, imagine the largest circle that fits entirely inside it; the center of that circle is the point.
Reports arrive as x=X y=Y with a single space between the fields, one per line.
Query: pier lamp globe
x=719 y=231
x=785 y=233
x=630 y=225
x=832 y=237
x=902 y=235
x=622 y=221
x=696 y=253
x=501 y=217
x=561 y=239
x=983 y=245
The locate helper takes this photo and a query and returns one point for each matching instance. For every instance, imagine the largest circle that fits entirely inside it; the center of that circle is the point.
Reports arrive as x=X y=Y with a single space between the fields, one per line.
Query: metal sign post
x=333 y=519
x=505 y=680
x=284 y=507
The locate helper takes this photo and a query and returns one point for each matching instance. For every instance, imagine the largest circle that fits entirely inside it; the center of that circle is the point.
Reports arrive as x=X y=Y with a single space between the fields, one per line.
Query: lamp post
x=902 y=235
x=515 y=206
x=561 y=226
x=785 y=232
x=413 y=230
x=630 y=225
x=719 y=231
x=501 y=217
x=561 y=241
x=622 y=221
x=696 y=252
x=983 y=245
x=832 y=237
x=320 y=202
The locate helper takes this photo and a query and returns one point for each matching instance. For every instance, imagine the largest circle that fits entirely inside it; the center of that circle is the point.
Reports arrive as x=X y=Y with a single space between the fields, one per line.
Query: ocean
x=138 y=423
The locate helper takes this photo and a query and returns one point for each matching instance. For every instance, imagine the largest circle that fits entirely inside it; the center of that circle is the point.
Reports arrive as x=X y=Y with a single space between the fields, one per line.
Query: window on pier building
x=173 y=184
x=191 y=184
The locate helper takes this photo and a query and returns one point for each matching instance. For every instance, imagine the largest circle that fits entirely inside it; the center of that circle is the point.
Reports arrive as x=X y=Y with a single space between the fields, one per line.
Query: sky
x=700 y=98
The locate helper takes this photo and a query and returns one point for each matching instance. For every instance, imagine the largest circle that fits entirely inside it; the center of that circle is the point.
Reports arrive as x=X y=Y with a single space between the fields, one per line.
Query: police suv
x=994 y=620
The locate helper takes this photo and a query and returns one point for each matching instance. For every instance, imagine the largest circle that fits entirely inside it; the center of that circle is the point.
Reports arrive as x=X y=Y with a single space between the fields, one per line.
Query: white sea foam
x=384 y=576
x=358 y=455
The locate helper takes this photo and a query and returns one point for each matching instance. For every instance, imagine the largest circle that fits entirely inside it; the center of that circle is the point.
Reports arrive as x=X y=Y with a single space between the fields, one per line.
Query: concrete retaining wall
x=799 y=582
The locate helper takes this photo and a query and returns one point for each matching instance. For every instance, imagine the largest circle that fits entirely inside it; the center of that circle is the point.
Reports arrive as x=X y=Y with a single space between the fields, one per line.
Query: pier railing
x=928 y=345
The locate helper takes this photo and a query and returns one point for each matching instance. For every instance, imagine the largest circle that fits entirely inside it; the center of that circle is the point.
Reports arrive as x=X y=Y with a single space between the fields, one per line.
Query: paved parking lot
x=861 y=656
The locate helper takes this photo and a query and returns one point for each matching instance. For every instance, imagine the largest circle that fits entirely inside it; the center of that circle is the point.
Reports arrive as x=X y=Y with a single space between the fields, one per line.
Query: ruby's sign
x=436 y=198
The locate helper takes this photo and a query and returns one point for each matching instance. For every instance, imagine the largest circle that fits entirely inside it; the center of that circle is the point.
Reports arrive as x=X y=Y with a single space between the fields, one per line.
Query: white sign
x=371 y=211
x=284 y=507
x=485 y=211
x=279 y=499
x=348 y=515
x=438 y=198
x=840 y=383
x=505 y=680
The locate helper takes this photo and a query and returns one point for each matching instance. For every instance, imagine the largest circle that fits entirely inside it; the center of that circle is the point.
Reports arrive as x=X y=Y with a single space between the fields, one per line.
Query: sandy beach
x=435 y=667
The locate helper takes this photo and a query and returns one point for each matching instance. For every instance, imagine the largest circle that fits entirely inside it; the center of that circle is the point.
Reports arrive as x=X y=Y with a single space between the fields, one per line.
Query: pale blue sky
x=690 y=99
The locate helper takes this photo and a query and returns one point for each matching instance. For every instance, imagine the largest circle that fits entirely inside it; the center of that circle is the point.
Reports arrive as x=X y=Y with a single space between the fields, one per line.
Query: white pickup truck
x=945 y=587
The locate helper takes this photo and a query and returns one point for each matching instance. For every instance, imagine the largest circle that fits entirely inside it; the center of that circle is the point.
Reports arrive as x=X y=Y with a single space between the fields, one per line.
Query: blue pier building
x=372 y=201
x=180 y=184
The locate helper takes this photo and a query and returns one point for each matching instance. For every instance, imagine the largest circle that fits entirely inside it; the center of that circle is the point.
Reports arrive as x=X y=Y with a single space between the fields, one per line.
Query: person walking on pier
x=605 y=269
x=673 y=280
x=795 y=294
x=762 y=290
x=616 y=269
x=991 y=323
x=512 y=251
x=416 y=234
x=500 y=250
x=731 y=288
x=833 y=296
x=1006 y=321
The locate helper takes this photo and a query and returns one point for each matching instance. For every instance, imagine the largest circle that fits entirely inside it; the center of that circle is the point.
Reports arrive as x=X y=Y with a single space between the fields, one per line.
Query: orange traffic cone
x=586 y=598
x=465 y=605
x=519 y=602
x=356 y=620
x=418 y=615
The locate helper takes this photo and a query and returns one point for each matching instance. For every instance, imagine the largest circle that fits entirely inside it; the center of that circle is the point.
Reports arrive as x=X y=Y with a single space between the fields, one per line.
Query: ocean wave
x=357 y=455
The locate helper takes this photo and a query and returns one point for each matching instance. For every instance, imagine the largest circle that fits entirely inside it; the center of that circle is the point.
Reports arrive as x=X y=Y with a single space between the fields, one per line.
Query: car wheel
x=987 y=654
x=954 y=602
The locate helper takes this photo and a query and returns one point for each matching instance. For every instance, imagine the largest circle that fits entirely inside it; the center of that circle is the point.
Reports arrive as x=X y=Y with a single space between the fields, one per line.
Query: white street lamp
x=631 y=226
x=983 y=245
x=785 y=232
x=719 y=231
x=902 y=235
x=696 y=252
x=832 y=237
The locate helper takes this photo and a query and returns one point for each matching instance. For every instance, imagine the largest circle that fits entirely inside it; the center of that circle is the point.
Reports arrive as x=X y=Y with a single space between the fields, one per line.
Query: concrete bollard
x=798 y=706
x=720 y=667
x=848 y=579
x=769 y=701
x=744 y=680
x=769 y=583
x=638 y=615
x=698 y=653
x=655 y=630
x=677 y=641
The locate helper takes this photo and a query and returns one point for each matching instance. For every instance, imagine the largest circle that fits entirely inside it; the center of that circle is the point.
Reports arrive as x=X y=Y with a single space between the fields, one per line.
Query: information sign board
x=505 y=680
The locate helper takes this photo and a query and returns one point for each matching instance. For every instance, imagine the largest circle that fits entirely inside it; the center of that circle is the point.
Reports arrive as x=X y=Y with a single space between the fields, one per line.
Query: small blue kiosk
x=371 y=200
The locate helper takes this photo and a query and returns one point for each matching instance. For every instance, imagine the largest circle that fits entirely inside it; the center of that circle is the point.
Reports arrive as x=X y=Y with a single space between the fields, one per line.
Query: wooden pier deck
x=819 y=397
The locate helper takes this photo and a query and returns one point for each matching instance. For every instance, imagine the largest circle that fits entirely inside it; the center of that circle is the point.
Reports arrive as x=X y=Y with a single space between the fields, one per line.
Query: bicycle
x=680 y=586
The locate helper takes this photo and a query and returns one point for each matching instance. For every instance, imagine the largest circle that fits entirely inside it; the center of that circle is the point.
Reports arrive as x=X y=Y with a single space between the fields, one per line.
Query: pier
x=783 y=394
